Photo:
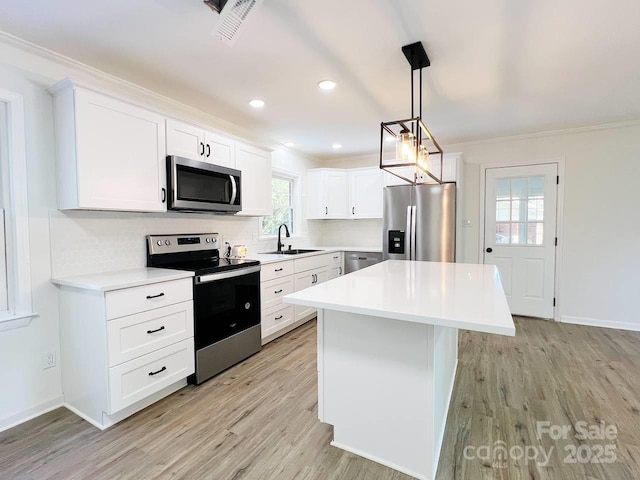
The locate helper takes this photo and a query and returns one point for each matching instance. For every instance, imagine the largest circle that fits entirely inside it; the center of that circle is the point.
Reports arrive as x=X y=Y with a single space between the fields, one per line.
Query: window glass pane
x=515 y=211
x=282 y=196
x=534 y=233
x=518 y=188
x=503 y=189
x=502 y=210
x=536 y=186
x=281 y=189
x=535 y=210
x=502 y=233
x=518 y=233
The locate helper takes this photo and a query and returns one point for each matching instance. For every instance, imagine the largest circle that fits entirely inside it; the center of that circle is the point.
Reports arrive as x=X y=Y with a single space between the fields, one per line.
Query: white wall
x=599 y=279
x=69 y=243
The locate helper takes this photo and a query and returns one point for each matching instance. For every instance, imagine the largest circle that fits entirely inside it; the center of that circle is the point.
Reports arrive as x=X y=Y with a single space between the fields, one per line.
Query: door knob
x=489 y=250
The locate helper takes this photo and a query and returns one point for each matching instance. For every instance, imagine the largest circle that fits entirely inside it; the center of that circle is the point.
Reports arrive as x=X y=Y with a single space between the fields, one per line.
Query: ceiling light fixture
x=336 y=146
x=327 y=84
x=289 y=144
x=256 y=103
x=414 y=144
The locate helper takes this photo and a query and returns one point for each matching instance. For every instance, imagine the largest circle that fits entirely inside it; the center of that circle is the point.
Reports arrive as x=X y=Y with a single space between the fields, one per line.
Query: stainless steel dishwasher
x=356 y=260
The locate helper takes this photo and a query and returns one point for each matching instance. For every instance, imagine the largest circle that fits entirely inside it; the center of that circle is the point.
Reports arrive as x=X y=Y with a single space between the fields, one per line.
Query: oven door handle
x=234 y=189
x=223 y=275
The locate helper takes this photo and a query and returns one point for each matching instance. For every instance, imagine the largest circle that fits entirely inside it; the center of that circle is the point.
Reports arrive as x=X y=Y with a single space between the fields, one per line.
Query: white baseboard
x=596 y=322
x=26 y=415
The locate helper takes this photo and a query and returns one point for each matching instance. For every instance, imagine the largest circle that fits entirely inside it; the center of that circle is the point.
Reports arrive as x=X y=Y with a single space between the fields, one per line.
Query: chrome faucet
x=286 y=230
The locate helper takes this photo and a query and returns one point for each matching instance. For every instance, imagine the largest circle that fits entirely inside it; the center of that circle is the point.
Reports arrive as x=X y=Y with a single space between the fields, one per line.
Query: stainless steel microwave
x=196 y=186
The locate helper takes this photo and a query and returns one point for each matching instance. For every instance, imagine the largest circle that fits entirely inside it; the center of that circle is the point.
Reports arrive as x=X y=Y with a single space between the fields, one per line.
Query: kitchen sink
x=292 y=252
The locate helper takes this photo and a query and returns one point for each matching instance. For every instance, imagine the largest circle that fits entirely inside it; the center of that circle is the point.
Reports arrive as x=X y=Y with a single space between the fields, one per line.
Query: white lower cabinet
x=125 y=348
x=281 y=278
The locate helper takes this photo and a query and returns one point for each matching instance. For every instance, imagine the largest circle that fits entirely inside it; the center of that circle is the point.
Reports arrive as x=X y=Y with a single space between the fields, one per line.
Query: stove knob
x=159 y=243
x=208 y=240
x=167 y=242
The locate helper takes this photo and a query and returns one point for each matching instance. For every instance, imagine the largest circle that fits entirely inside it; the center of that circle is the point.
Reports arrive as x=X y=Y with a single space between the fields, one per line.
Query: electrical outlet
x=48 y=360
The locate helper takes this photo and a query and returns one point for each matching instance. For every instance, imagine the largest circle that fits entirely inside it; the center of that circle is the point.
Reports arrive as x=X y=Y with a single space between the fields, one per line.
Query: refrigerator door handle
x=414 y=245
x=408 y=234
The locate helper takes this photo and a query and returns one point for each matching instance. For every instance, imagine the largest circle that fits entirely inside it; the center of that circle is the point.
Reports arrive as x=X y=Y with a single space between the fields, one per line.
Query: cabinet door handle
x=278 y=269
x=335 y=258
x=149 y=297
x=278 y=291
x=201 y=148
x=156 y=330
x=326 y=210
x=340 y=270
x=164 y=195
x=278 y=318
x=208 y=150
x=353 y=210
x=151 y=374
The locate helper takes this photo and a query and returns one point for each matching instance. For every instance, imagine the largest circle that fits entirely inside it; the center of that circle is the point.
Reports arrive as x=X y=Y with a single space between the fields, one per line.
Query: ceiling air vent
x=233 y=17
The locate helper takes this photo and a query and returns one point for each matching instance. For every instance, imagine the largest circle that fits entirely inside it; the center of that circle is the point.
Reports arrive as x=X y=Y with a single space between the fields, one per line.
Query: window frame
x=13 y=162
x=295 y=203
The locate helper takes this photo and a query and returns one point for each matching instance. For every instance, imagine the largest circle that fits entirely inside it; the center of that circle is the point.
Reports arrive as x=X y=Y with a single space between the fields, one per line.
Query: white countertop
x=104 y=282
x=265 y=258
x=459 y=295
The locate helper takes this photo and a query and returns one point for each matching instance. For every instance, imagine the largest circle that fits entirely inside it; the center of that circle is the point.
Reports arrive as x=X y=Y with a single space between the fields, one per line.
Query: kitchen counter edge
x=107 y=281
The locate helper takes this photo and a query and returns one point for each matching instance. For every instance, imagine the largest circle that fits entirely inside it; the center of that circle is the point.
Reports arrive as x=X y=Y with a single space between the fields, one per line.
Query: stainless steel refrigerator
x=420 y=222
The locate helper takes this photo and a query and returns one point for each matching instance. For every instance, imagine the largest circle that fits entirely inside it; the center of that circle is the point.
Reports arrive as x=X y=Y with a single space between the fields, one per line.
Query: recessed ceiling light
x=256 y=103
x=289 y=144
x=336 y=146
x=327 y=84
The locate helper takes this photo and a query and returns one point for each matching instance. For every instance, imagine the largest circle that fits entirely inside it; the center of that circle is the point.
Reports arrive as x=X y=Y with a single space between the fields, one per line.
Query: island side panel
x=445 y=360
x=377 y=389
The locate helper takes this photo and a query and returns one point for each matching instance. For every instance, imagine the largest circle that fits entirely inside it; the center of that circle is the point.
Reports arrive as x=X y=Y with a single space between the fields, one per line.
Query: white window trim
x=14 y=167
x=296 y=198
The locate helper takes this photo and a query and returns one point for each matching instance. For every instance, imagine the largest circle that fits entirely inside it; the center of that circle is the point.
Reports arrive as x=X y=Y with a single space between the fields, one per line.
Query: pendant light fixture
x=414 y=144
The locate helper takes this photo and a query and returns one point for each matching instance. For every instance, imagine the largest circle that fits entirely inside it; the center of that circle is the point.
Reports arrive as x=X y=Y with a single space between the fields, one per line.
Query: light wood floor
x=258 y=420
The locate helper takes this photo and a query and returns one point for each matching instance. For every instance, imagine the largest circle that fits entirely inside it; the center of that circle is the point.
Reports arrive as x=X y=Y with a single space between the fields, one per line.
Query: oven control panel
x=183 y=243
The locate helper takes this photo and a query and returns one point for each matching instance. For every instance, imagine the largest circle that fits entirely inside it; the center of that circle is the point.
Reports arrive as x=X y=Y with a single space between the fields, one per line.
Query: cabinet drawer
x=334 y=259
x=276 y=270
x=136 y=335
x=275 y=319
x=316 y=261
x=135 y=380
x=273 y=290
x=128 y=301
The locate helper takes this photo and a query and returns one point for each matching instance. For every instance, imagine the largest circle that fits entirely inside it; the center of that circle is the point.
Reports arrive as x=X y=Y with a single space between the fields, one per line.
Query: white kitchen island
x=388 y=352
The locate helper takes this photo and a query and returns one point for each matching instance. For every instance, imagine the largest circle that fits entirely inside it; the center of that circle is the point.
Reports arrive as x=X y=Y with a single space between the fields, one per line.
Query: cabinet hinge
x=554 y=301
x=558 y=180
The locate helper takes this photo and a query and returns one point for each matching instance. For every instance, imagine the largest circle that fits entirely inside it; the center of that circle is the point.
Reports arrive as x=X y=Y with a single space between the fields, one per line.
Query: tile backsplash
x=89 y=242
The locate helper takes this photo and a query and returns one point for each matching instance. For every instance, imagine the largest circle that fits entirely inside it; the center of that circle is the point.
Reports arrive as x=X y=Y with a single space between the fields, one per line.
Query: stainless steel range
x=226 y=297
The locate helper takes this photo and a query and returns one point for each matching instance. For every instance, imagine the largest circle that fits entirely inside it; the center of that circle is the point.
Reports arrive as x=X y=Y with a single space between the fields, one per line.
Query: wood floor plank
x=258 y=420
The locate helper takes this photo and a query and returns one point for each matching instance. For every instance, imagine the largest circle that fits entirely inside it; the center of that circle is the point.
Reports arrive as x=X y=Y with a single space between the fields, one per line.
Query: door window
x=520 y=210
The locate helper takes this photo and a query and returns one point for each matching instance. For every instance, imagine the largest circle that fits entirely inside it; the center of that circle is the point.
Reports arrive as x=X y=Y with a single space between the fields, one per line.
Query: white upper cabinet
x=110 y=154
x=189 y=141
x=255 y=187
x=327 y=193
x=365 y=192
x=340 y=194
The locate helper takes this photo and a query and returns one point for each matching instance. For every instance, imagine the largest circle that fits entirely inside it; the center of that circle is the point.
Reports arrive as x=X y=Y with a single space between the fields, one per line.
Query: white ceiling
x=499 y=67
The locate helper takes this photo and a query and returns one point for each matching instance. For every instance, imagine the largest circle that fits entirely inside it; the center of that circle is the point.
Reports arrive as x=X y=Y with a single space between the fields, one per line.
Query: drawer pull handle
x=278 y=269
x=151 y=374
x=335 y=258
x=278 y=318
x=149 y=297
x=156 y=330
x=233 y=325
x=278 y=291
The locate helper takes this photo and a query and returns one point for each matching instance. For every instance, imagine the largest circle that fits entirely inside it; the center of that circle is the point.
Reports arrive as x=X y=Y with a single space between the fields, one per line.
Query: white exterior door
x=520 y=235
